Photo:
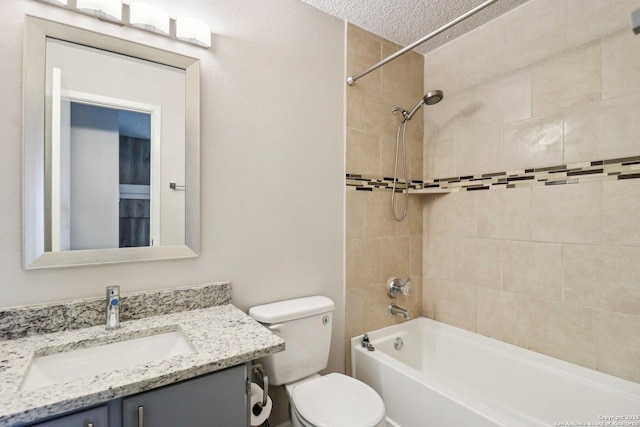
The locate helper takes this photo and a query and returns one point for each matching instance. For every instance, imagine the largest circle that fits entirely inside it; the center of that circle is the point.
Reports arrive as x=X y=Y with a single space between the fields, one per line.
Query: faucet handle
x=406 y=287
x=113 y=291
x=397 y=287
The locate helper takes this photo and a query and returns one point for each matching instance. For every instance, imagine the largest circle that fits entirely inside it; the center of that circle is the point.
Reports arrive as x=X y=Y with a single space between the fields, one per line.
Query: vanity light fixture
x=149 y=17
x=106 y=9
x=193 y=31
x=141 y=15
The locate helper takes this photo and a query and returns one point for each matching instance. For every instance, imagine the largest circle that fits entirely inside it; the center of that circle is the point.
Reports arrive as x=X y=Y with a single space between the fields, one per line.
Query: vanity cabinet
x=96 y=417
x=220 y=399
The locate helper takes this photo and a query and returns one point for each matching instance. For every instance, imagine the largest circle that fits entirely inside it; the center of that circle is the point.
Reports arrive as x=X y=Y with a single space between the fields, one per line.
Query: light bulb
x=193 y=31
x=108 y=9
x=149 y=17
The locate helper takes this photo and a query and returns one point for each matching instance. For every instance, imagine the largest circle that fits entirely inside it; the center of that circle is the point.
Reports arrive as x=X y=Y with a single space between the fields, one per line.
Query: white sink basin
x=63 y=367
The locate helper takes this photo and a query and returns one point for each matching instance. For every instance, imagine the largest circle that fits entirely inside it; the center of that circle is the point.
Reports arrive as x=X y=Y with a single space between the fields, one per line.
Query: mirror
x=111 y=149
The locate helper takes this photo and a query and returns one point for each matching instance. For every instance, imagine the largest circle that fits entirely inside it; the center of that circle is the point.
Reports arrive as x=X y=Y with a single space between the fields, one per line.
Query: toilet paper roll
x=259 y=414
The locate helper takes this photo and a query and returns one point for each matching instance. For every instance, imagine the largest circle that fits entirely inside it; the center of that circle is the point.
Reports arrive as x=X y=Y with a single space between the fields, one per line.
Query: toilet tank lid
x=298 y=308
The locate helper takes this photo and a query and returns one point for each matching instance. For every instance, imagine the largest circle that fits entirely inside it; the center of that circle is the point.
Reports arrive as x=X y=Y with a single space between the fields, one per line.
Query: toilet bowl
x=332 y=400
x=335 y=400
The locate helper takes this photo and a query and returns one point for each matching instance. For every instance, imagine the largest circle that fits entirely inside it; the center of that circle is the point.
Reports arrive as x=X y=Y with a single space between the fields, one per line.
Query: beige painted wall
x=378 y=247
x=552 y=269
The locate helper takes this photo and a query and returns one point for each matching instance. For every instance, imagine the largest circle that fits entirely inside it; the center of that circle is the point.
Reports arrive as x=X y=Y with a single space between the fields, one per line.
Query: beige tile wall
x=553 y=269
x=377 y=246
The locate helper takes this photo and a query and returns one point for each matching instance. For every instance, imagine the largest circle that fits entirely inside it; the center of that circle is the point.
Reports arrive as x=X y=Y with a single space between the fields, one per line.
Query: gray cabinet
x=96 y=417
x=218 y=400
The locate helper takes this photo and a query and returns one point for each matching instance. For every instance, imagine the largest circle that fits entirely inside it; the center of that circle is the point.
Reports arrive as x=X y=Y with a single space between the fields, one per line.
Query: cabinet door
x=96 y=417
x=216 y=400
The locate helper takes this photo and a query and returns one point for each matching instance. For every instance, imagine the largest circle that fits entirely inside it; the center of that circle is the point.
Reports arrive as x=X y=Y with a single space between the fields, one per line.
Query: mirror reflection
x=102 y=192
x=115 y=148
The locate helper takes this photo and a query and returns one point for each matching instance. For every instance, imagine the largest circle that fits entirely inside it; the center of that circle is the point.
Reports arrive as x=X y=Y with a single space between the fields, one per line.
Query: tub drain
x=398 y=343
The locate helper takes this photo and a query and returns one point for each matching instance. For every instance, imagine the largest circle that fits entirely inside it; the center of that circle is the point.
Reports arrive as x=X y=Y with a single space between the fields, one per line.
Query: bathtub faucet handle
x=397 y=287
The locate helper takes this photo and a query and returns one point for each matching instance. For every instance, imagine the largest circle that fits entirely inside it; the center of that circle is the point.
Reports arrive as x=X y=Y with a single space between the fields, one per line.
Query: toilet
x=332 y=400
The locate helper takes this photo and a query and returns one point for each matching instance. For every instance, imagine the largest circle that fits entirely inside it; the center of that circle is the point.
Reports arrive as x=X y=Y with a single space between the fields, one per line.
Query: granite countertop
x=222 y=336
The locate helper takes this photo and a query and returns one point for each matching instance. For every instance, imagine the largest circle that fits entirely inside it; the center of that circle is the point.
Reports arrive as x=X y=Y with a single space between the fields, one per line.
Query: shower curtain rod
x=352 y=79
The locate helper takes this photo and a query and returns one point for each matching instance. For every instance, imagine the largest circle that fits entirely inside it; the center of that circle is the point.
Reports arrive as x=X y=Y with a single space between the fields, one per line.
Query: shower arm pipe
x=352 y=79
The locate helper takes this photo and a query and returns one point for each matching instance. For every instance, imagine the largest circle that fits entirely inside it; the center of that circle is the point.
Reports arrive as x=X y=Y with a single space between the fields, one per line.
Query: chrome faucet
x=113 y=307
x=395 y=310
x=397 y=287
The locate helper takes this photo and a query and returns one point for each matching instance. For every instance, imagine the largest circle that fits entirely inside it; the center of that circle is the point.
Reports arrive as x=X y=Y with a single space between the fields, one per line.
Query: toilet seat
x=336 y=400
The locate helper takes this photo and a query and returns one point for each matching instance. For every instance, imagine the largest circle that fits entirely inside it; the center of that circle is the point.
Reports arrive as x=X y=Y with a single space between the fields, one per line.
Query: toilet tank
x=305 y=326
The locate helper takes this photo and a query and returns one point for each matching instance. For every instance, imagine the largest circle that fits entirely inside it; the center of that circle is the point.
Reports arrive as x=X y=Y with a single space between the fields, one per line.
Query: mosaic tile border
x=595 y=171
x=364 y=183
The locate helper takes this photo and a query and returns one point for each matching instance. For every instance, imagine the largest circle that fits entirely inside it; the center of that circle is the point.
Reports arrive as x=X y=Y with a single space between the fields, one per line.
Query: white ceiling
x=405 y=21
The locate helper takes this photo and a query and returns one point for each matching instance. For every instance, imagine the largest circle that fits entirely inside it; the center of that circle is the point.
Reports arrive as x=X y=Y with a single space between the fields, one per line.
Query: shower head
x=433 y=97
x=430 y=98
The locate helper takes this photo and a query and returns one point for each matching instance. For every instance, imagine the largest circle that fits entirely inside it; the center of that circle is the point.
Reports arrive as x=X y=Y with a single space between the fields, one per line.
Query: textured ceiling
x=405 y=21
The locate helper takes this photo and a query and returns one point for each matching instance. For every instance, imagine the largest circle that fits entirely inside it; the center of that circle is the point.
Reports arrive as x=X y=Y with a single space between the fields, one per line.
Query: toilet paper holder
x=262 y=378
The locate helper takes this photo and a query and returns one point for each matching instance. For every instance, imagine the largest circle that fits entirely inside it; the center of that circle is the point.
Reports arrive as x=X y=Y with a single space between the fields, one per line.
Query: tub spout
x=395 y=310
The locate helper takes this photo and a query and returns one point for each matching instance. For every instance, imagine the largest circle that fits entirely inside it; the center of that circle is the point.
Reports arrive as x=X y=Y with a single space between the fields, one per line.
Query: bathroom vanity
x=219 y=400
x=131 y=376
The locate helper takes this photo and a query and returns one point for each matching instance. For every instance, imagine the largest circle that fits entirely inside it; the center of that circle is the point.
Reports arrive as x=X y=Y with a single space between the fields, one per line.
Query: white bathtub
x=446 y=377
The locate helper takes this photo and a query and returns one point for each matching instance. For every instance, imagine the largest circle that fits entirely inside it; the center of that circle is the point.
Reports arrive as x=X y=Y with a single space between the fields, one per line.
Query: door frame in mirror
x=33 y=155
